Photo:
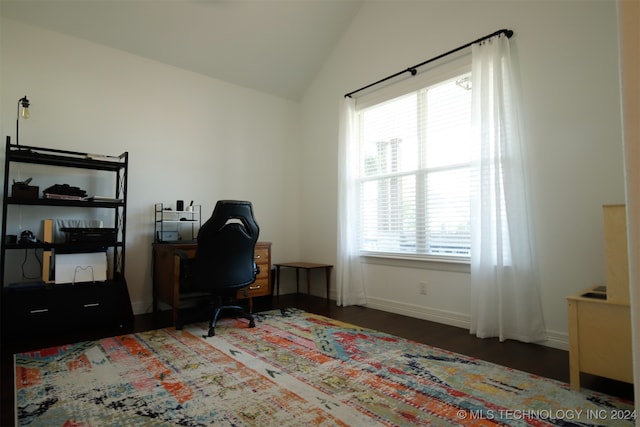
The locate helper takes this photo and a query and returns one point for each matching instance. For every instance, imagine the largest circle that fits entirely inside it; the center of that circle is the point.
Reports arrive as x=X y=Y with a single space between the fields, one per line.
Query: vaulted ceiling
x=274 y=46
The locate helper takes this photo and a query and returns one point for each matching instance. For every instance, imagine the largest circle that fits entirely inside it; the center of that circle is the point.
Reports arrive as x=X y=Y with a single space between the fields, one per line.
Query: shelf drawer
x=55 y=308
x=26 y=310
x=35 y=312
x=99 y=305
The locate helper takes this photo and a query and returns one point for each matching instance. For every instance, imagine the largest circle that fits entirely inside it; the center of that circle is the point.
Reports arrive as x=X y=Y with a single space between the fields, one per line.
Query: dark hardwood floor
x=536 y=359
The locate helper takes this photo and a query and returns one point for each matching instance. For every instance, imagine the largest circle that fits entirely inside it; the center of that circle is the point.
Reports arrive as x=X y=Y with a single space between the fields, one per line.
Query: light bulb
x=24 y=111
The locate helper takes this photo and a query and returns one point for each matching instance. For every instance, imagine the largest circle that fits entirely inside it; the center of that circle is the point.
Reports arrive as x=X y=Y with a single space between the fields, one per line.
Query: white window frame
x=426 y=78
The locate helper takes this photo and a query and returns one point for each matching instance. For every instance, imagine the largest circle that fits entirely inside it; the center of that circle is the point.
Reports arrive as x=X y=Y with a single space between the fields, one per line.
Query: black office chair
x=224 y=261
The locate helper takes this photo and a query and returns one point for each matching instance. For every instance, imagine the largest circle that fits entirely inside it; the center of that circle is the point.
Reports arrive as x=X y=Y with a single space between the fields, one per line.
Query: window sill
x=456 y=265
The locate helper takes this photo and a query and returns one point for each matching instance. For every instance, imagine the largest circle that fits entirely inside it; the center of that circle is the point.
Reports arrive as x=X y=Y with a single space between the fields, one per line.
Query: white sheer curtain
x=350 y=284
x=505 y=300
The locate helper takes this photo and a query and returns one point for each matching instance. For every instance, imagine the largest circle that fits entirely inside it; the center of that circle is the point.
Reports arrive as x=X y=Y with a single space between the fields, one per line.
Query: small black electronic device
x=180 y=205
x=27 y=237
x=89 y=234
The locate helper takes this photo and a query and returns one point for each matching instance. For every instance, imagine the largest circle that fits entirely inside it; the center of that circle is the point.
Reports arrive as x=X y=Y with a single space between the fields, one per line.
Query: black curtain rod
x=413 y=70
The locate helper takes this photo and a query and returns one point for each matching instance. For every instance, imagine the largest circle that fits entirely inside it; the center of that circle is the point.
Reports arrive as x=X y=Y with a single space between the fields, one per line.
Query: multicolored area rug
x=296 y=369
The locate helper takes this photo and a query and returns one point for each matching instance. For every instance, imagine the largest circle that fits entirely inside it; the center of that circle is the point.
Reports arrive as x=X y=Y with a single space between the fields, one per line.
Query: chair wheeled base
x=236 y=310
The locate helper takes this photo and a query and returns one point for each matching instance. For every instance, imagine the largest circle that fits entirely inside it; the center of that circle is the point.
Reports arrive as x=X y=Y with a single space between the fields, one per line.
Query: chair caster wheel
x=212 y=332
x=252 y=324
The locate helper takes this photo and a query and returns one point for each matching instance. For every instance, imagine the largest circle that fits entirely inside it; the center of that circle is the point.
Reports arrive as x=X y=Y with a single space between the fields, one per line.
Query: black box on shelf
x=89 y=234
x=24 y=191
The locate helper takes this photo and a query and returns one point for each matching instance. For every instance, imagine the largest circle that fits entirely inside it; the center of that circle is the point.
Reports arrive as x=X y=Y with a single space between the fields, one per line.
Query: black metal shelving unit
x=39 y=308
x=185 y=223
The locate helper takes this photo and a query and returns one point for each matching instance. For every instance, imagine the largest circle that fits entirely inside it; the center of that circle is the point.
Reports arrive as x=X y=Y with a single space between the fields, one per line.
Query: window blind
x=414 y=177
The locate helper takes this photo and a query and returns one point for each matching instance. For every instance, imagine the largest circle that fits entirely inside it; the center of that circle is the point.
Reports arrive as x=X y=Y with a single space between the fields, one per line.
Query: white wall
x=191 y=137
x=567 y=54
x=188 y=136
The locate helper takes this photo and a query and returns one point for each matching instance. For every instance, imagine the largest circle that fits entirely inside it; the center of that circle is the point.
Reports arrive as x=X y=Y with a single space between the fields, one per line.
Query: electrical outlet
x=423 y=288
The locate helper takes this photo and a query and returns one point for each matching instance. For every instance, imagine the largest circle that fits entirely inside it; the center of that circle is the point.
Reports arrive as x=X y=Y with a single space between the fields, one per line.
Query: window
x=414 y=177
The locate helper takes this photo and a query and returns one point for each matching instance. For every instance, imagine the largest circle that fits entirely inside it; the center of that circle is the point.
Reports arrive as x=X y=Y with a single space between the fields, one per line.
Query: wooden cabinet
x=166 y=276
x=615 y=253
x=600 y=317
x=599 y=338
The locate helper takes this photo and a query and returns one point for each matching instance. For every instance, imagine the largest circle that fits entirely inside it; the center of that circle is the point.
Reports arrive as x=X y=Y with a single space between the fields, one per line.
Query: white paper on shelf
x=81 y=267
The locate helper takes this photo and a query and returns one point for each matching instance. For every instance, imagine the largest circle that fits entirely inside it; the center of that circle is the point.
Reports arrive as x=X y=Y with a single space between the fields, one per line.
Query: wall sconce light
x=23 y=111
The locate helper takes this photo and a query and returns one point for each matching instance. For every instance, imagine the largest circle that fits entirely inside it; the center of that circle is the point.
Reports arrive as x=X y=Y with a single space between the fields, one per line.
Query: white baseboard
x=460 y=320
x=555 y=339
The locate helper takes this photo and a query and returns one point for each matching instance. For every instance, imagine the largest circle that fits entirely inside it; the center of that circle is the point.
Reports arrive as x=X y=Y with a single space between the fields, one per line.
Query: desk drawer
x=262 y=285
x=261 y=254
x=259 y=288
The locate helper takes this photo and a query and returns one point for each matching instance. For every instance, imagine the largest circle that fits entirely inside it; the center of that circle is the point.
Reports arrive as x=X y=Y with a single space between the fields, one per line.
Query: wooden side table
x=308 y=266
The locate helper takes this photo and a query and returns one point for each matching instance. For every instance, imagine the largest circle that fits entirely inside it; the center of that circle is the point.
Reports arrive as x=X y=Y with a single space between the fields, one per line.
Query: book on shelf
x=47 y=265
x=103 y=199
x=104 y=158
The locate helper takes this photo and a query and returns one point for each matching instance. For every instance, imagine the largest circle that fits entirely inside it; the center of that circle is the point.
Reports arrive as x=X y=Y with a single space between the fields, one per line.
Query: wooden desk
x=305 y=266
x=166 y=275
x=599 y=338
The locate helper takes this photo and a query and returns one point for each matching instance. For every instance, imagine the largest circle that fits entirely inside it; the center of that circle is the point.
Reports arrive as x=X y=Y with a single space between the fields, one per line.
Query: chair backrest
x=226 y=245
